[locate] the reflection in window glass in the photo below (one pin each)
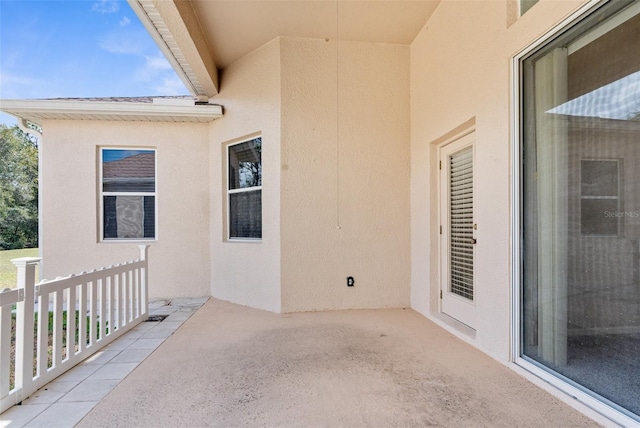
(128, 194)
(245, 164)
(581, 206)
(599, 197)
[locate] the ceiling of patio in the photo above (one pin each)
(234, 28)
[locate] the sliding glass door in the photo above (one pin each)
(580, 198)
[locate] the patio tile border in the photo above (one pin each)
(68, 399)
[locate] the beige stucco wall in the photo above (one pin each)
(286, 92)
(345, 175)
(248, 273)
(179, 259)
(460, 78)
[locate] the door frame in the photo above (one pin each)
(450, 304)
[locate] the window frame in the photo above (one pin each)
(574, 392)
(102, 194)
(230, 191)
(524, 8)
(601, 197)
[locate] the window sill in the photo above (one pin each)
(128, 241)
(245, 240)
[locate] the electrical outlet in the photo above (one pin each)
(350, 281)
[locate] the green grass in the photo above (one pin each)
(8, 271)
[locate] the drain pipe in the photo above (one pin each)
(36, 130)
(23, 124)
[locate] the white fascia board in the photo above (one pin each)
(26, 108)
(162, 45)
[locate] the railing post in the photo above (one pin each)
(144, 277)
(24, 326)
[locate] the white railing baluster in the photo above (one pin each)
(122, 299)
(56, 360)
(104, 317)
(107, 302)
(113, 323)
(93, 314)
(126, 276)
(137, 294)
(83, 299)
(42, 351)
(71, 322)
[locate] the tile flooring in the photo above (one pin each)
(66, 400)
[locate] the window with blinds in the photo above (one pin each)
(461, 217)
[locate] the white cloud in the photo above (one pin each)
(158, 63)
(153, 67)
(125, 21)
(105, 6)
(124, 41)
(11, 85)
(170, 86)
(159, 77)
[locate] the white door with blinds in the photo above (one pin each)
(457, 231)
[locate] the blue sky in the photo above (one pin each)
(78, 48)
(114, 155)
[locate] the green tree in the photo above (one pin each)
(18, 189)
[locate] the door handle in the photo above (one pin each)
(473, 241)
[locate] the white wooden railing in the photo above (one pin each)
(88, 311)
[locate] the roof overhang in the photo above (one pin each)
(175, 28)
(36, 111)
(198, 37)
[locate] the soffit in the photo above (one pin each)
(234, 28)
(113, 109)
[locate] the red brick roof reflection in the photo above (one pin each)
(142, 165)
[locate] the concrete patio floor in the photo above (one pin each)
(230, 365)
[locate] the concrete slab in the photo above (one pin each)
(62, 415)
(79, 373)
(193, 302)
(19, 416)
(158, 303)
(145, 344)
(233, 366)
(132, 356)
(50, 393)
(179, 316)
(90, 390)
(101, 357)
(120, 344)
(114, 371)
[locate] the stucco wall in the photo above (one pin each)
(460, 77)
(248, 273)
(345, 175)
(179, 259)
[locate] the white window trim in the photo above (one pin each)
(574, 391)
(230, 192)
(617, 198)
(101, 195)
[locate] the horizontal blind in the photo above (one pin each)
(461, 227)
